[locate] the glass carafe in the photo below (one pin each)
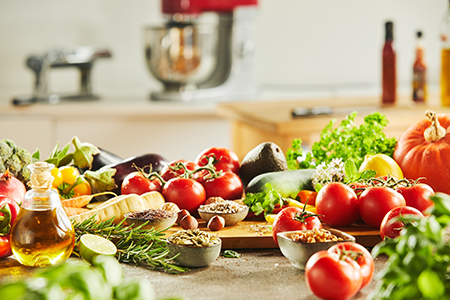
(42, 234)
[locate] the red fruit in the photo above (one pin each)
(138, 183)
(12, 187)
(390, 228)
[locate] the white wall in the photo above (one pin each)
(301, 43)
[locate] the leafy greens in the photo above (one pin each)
(347, 141)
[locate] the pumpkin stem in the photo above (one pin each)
(435, 132)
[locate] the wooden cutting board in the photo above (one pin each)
(257, 234)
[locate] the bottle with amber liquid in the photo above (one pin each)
(389, 76)
(42, 234)
(445, 59)
(419, 73)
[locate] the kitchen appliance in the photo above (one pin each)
(204, 51)
(81, 58)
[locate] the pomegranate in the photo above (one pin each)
(12, 187)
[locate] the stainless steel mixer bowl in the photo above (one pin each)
(181, 54)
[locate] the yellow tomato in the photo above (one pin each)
(57, 177)
(84, 188)
(69, 174)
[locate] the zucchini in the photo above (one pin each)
(286, 183)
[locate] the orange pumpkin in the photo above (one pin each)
(423, 151)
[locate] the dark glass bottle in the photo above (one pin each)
(419, 73)
(389, 79)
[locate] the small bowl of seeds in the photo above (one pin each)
(298, 246)
(232, 211)
(194, 248)
(159, 219)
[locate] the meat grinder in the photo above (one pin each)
(81, 58)
(204, 51)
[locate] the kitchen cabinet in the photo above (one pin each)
(255, 122)
(127, 127)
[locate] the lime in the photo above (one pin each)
(383, 165)
(93, 245)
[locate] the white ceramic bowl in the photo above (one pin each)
(298, 253)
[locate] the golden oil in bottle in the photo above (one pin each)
(42, 234)
(445, 77)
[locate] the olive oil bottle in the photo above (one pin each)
(42, 234)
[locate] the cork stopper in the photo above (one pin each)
(41, 177)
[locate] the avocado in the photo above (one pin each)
(264, 158)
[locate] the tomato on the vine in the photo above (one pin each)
(390, 228)
(175, 169)
(418, 196)
(358, 188)
(223, 159)
(138, 183)
(227, 185)
(337, 204)
(375, 202)
(186, 193)
(330, 276)
(359, 254)
(294, 218)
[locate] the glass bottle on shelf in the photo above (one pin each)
(42, 234)
(389, 80)
(445, 59)
(419, 72)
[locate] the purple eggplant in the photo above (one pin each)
(103, 158)
(155, 161)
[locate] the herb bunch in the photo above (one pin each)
(134, 245)
(419, 259)
(347, 141)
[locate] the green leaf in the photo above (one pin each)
(135, 290)
(430, 284)
(84, 153)
(102, 179)
(14, 291)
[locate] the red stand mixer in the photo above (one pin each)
(204, 51)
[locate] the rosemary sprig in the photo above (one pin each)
(134, 245)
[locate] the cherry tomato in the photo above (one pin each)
(307, 196)
(375, 202)
(337, 204)
(57, 177)
(227, 185)
(390, 228)
(138, 183)
(186, 193)
(359, 254)
(418, 196)
(224, 159)
(83, 188)
(294, 218)
(69, 174)
(330, 276)
(173, 169)
(5, 246)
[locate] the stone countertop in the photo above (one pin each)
(257, 274)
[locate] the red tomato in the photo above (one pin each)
(375, 202)
(307, 196)
(5, 246)
(337, 204)
(359, 254)
(224, 159)
(390, 228)
(173, 169)
(332, 277)
(227, 185)
(137, 183)
(358, 187)
(294, 218)
(186, 193)
(418, 196)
